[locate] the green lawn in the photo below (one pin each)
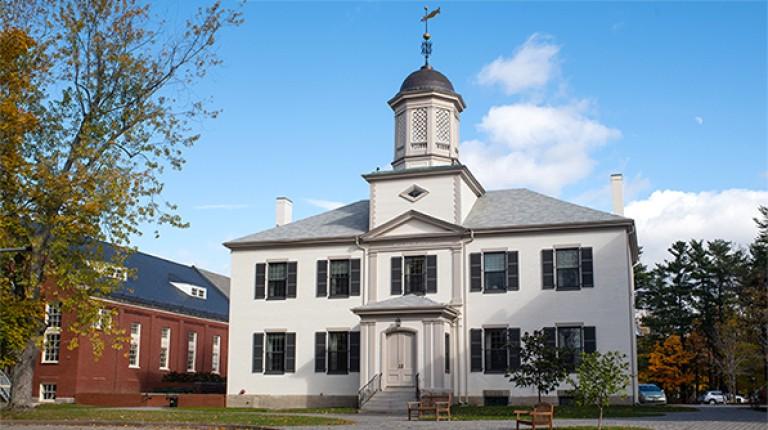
(79, 413)
(474, 413)
(604, 428)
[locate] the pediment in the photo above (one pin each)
(414, 224)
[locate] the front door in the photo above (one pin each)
(400, 360)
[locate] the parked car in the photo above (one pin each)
(739, 399)
(712, 397)
(651, 393)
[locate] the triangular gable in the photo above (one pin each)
(414, 224)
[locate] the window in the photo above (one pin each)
(567, 261)
(338, 352)
(278, 276)
(53, 315)
(569, 340)
(216, 354)
(165, 343)
(103, 320)
(414, 193)
(134, 348)
(496, 350)
(51, 345)
(47, 392)
(275, 352)
(339, 278)
(414, 275)
(495, 271)
(191, 351)
(447, 353)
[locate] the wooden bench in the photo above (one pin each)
(541, 416)
(437, 404)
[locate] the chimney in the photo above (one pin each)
(617, 193)
(283, 211)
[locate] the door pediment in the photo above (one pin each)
(413, 224)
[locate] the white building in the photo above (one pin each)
(421, 285)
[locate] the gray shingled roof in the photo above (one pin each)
(521, 207)
(501, 208)
(347, 221)
(219, 281)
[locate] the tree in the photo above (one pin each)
(95, 86)
(753, 297)
(668, 365)
(600, 376)
(734, 351)
(541, 365)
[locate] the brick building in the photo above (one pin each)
(176, 316)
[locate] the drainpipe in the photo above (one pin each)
(364, 378)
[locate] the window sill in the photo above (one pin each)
(49, 362)
(165, 369)
(339, 297)
(276, 298)
(568, 289)
(134, 367)
(274, 372)
(494, 291)
(338, 372)
(495, 372)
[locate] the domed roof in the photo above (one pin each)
(426, 79)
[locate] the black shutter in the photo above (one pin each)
(290, 352)
(513, 272)
(447, 353)
(396, 274)
(257, 365)
(513, 337)
(259, 282)
(322, 278)
(354, 277)
(587, 277)
(431, 273)
(290, 284)
(590, 339)
(476, 348)
(547, 269)
(320, 352)
(475, 272)
(354, 351)
(550, 337)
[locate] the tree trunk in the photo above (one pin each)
(21, 378)
(600, 420)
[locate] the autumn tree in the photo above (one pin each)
(668, 365)
(95, 107)
(734, 351)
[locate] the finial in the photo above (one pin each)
(426, 45)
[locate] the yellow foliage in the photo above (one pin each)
(668, 365)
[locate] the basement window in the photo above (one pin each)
(47, 392)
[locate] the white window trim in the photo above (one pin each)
(41, 393)
(192, 348)
(216, 354)
(165, 343)
(50, 331)
(137, 338)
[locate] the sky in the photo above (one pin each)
(559, 96)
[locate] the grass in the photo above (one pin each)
(80, 413)
(474, 413)
(604, 428)
(335, 410)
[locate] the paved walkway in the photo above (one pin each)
(706, 418)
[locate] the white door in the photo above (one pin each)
(400, 360)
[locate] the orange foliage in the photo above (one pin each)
(668, 365)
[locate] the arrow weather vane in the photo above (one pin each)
(426, 45)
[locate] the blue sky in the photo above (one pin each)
(559, 95)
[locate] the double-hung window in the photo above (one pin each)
(135, 346)
(338, 352)
(52, 336)
(567, 264)
(47, 392)
(216, 354)
(495, 271)
(165, 345)
(569, 341)
(339, 277)
(275, 353)
(496, 350)
(414, 275)
(191, 351)
(278, 277)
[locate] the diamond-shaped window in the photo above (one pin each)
(413, 193)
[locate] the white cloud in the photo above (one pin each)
(325, 204)
(224, 206)
(533, 65)
(699, 120)
(541, 147)
(667, 216)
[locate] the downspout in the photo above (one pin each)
(464, 273)
(364, 376)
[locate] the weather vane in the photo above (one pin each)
(426, 45)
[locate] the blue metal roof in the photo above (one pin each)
(151, 286)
